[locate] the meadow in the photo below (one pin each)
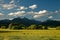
(29, 34)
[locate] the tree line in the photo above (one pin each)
(24, 23)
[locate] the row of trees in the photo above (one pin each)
(24, 23)
(22, 26)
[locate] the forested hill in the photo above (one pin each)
(28, 22)
(24, 21)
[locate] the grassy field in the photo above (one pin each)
(29, 34)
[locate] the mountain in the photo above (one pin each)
(5, 22)
(25, 21)
(52, 23)
(28, 22)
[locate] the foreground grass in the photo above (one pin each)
(29, 34)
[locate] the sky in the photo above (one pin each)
(32, 9)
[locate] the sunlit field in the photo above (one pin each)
(29, 34)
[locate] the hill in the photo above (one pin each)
(24, 22)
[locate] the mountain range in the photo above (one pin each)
(28, 22)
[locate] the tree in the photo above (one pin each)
(45, 27)
(3, 27)
(32, 27)
(39, 27)
(16, 26)
(13, 26)
(58, 28)
(10, 26)
(21, 26)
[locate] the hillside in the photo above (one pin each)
(24, 22)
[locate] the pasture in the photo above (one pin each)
(29, 34)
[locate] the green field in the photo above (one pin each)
(29, 34)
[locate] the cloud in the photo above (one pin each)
(8, 6)
(19, 13)
(23, 8)
(33, 6)
(12, 1)
(50, 17)
(57, 19)
(11, 18)
(40, 13)
(1, 14)
(43, 11)
(36, 16)
(10, 14)
(11, 5)
(57, 11)
(31, 12)
(1, 2)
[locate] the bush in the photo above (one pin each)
(32, 27)
(58, 28)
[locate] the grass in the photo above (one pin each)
(29, 34)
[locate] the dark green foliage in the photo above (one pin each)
(32, 27)
(39, 27)
(51, 23)
(46, 27)
(16, 26)
(24, 23)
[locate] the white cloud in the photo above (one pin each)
(32, 14)
(50, 17)
(11, 14)
(36, 16)
(23, 8)
(40, 13)
(43, 11)
(33, 6)
(12, 1)
(56, 11)
(1, 14)
(11, 18)
(8, 6)
(19, 13)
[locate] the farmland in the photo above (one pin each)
(29, 34)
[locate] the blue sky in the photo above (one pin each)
(31, 9)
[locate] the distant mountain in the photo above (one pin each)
(5, 22)
(28, 22)
(25, 21)
(52, 23)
